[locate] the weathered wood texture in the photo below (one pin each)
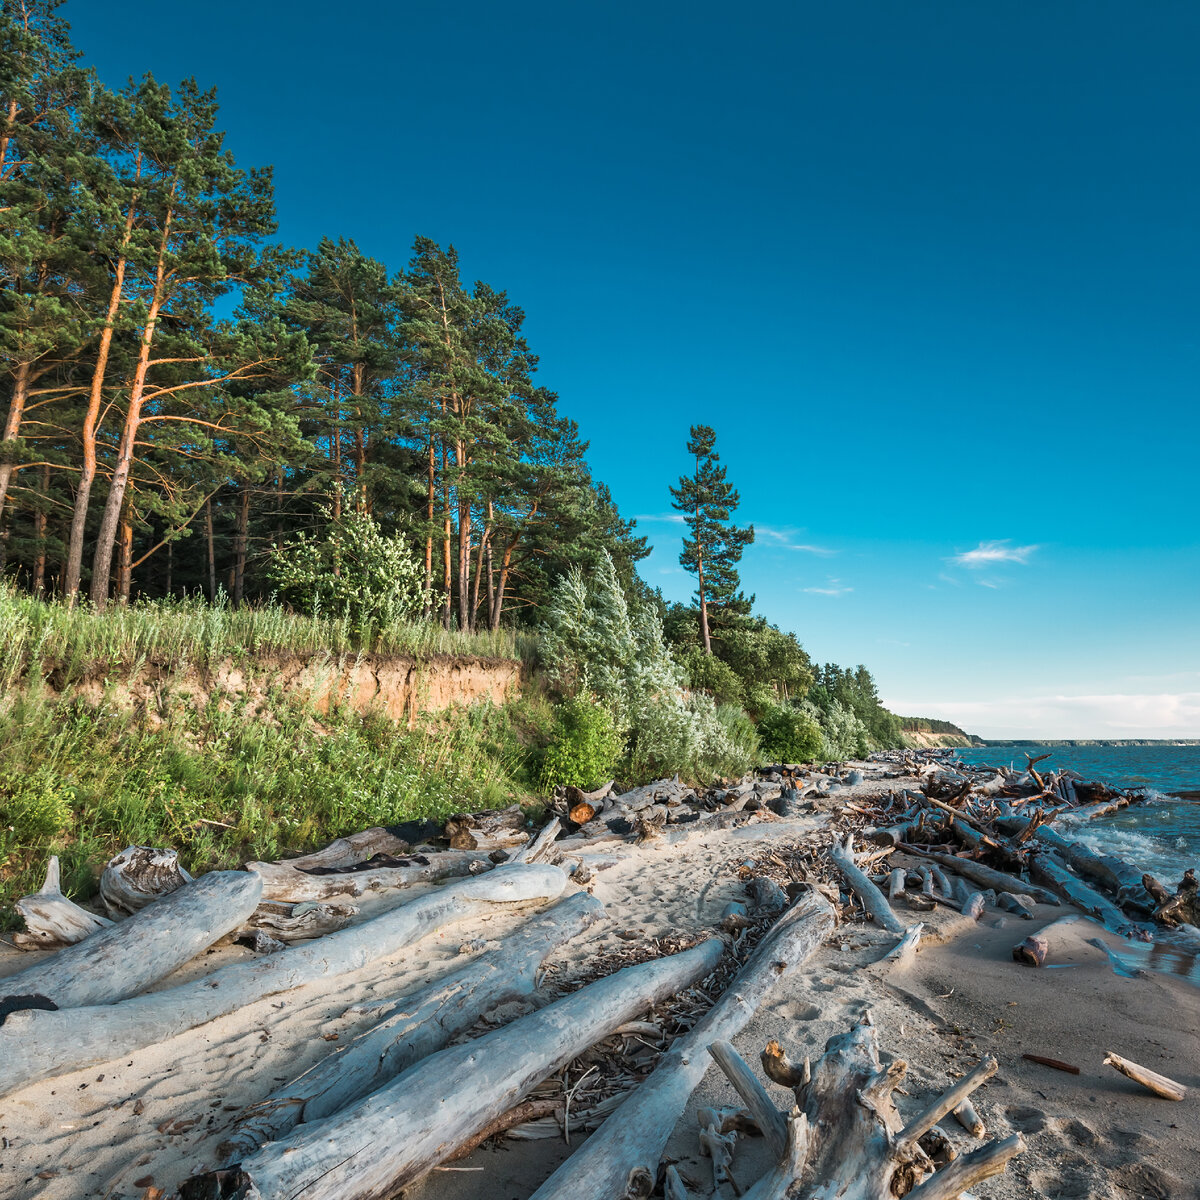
(36, 1044)
(122, 960)
(51, 920)
(841, 854)
(413, 1027)
(372, 1149)
(987, 877)
(138, 876)
(285, 882)
(1160, 1085)
(621, 1158)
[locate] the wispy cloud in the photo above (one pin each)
(835, 588)
(989, 554)
(788, 539)
(661, 518)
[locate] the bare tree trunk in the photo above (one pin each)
(427, 609)
(124, 556)
(446, 542)
(212, 553)
(12, 426)
(91, 417)
(483, 540)
(39, 535)
(243, 528)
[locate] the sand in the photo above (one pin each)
(150, 1119)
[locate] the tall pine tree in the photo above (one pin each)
(714, 545)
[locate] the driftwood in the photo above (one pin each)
(295, 922)
(986, 877)
(397, 1134)
(51, 920)
(495, 829)
(1049, 868)
(904, 952)
(285, 882)
(584, 806)
(621, 1158)
(1032, 951)
(540, 848)
(138, 876)
(845, 1134)
(124, 959)
(413, 1027)
(351, 850)
(1160, 1085)
(873, 900)
(36, 1044)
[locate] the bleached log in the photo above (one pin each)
(896, 880)
(540, 848)
(1032, 951)
(673, 1188)
(904, 953)
(353, 849)
(841, 854)
(138, 876)
(1160, 1085)
(295, 922)
(943, 884)
(36, 1044)
(855, 1143)
(767, 895)
(770, 1121)
(375, 1147)
(51, 920)
(495, 829)
(973, 906)
(621, 1158)
(969, 1119)
(124, 959)
(412, 1027)
(1049, 868)
(285, 883)
(987, 877)
(718, 1147)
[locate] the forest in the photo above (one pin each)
(213, 438)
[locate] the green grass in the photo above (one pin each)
(37, 637)
(83, 781)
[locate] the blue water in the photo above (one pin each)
(1161, 836)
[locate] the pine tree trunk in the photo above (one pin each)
(212, 552)
(102, 561)
(124, 556)
(39, 536)
(170, 568)
(427, 609)
(243, 527)
(91, 418)
(483, 540)
(491, 579)
(12, 426)
(446, 543)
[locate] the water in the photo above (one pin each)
(1161, 836)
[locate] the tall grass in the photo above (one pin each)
(222, 785)
(37, 636)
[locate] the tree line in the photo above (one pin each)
(152, 446)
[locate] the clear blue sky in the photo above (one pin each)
(930, 269)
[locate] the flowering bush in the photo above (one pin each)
(355, 571)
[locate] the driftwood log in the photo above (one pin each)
(1050, 869)
(413, 1027)
(846, 1137)
(1160, 1085)
(841, 854)
(621, 1158)
(397, 1134)
(353, 849)
(138, 876)
(295, 922)
(36, 1044)
(124, 959)
(986, 877)
(51, 920)
(287, 883)
(495, 829)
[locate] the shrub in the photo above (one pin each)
(35, 806)
(355, 571)
(584, 747)
(845, 734)
(790, 734)
(708, 673)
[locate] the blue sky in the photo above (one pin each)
(931, 270)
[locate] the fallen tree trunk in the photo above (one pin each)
(36, 1044)
(494, 829)
(621, 1158)
(374, 1148)
(295, 922)
(413, 1027)
(353, 849)
(138, 876)
(846, 1136)
(841, 854)
(51, 920)
(122, 960)
(986, 877)
(1049, 868)
(289, 884)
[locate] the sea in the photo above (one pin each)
(1161, 836)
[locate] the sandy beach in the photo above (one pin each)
(138, 1126)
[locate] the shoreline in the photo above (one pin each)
(126, 1128)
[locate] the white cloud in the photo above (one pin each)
(662, 518)
(1103, 715)
(988, 554)
(786, 539)
(835, 588)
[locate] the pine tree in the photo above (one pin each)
(714, 546)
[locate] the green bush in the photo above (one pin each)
(584, 746)
(34, 806)
(707, 673)
(355, 572)
(789, 734)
